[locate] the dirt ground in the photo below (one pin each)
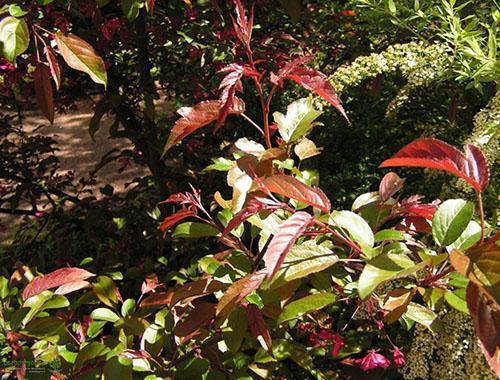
(78, 152)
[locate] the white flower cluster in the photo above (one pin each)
(420, 63)
(454, 354)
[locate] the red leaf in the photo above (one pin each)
(43, 91)
(177, 217)
(436, 154)
(55, 71)
(486, 318)
(194, 118)
(284, 240)
(150, 5)
(292, 188)
(258, 326)
(242, 25)
(254, 206)
(310, 79)
(228, 87)
(237, 293)
(52, 280)
(390, 185)
(414, 207)
(12, 339)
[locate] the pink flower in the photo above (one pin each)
(373, 360)
(398, 357)
(338, 342)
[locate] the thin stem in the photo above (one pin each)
(339, 236)
(481, 215)
(253, 124)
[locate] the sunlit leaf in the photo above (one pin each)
(80, 56)
(283, 241)
(436, 154)
(298, 308)
(299, 119)
(14, 37)
(450, 220)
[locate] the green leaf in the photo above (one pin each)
(355, 225)
(16, 11)
(469, 237)
(81, 56)
(4, 287)
(389, 235)
(193, 368)
(128, 307)
(153, 339)
(14, 37)
(118, 368)
(131, 8)
(103, 314)
(194, 230)
(298, 121)
(454, 300)
(89, 352)
(237, 323)
(288, 349)
(47, 327)
(392, 6)
(424, 316)
(303, 260)
(450, 220)
(105, 289)
(383, 267)
(298, 308)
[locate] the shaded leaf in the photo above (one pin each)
(43, 91)
(80, 56)
(237, 322)
(390, 185)
(196, 288)
(291, 187)
(486, 319)
(436, 154)
(202, 313)
(238, 291)
(55, 70)
(284, 240)
(258, 327)
(298, 308)
(54, 279)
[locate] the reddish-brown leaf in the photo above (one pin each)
(237, 293)
(390, 185)
(292, 188)
(157, 299)
(43, 91)
(194, 118)
(310, 79)
(413, 207)
(486, 318)
(55, 71)
(150, 5)
(55, 279)
(177, 217)
(197, 288)
(13, 339)
(258, 326)
(482, 265)
(436, 154)
(243, 25)
(150, 284)
(202, 313)
(283, 241)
